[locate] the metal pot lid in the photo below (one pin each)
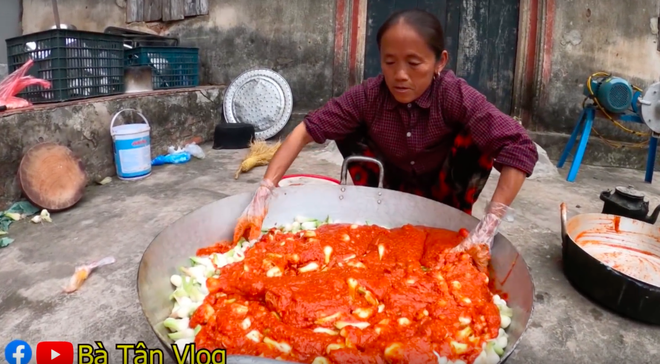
(259, 97)
(629, 191)
(649, 107)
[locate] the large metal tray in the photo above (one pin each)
(216, 221)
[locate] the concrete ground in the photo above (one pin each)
(121, 218)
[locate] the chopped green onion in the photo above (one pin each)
(187, 333)
(309, 225)
(175, 325)
(302, 219)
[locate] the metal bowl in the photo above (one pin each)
(214, 222)
(615, 261)
(65, 26)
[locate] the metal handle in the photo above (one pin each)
(112, 122)
(563, 212)
(357, 158)
(643, 102)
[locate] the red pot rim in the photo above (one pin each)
(316, 176)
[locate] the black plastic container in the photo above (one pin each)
(79, 64)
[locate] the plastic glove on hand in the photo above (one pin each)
(480, 240)
(249, 224)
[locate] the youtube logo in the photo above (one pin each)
(54, 352)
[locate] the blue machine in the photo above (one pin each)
(615, 94)
(618, 100)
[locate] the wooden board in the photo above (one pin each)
(52, 177)
(134, 11)
(196, 7)
(152, 10)
(165, 10)
(173, 10)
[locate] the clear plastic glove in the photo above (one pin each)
(249, 224)
(195, 150)
(82, 272)
(480, 240)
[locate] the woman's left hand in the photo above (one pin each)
(480, 240)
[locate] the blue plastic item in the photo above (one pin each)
(614, 94)
(174, 158)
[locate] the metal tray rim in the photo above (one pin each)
(249, 75)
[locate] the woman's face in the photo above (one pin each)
(408, 63)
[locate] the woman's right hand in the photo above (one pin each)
(249, 224)
(480, 240)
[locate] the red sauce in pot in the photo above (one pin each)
(375, 296)
(220, 247)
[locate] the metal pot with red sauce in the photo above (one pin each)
(352, 294)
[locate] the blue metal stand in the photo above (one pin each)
(583, 127)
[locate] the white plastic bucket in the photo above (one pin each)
(131, 144)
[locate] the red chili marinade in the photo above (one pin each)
(220, 247)
(412, 297)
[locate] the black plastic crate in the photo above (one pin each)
(79, 64)
(172, 67)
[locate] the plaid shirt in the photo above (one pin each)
(418, 136)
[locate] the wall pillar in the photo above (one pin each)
(350, 38)
(534, 56)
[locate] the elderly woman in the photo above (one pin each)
(436, 136)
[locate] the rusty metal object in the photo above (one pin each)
(216, 221)
(52, 177)
(615, 261)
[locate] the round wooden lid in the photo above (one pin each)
(52, 177)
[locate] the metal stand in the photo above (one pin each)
(583, 127)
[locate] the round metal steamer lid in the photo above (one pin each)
(262, 98)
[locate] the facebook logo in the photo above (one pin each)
(18, 352)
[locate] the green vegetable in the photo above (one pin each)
(175, 325)
(176, 280)
(505, 310)
(491, 354)
(182, 334)
(193, 291)
(309, 225)
(204, 262)
(13, 215)
(302, 219)
(182, 291)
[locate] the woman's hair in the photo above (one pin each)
(425, 24)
